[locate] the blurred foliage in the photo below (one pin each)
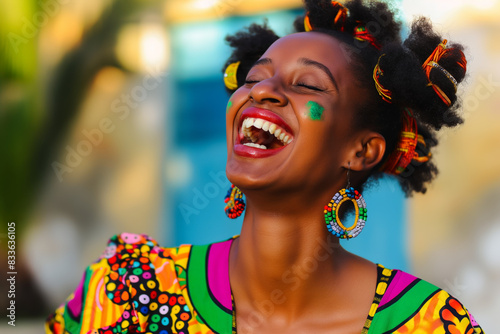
(37, 113)
(34, 126)
(20, 109)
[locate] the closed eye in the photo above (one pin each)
(300, 84)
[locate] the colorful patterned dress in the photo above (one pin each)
(138, 287)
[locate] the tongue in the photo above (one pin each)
(267, 139)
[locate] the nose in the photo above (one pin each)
(268, 91)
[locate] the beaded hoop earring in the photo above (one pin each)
(235, 204)
(332, 219)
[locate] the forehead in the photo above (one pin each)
(314, 45)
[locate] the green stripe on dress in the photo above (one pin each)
(70, 324)
(213, 316)
(397, 314)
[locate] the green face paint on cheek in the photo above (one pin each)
(315, 110)
(229, 105)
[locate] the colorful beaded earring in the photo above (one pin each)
(332, 219)
(235, 204)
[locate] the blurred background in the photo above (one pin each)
(112, 120)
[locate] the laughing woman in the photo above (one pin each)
(312, 117)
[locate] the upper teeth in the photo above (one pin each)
(270, 127)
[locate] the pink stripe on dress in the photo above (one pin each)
(400, 282)
(218, 273)
(75, 304)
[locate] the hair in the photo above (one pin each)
(403, 75)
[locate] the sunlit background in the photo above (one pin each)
(112, 119)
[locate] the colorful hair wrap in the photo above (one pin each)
(230, 79)
(338, 22)
(361, 33)
(383, 92)
(341, 16)
(433, 62)
(307, 23)
(448, 74)
(405, 152)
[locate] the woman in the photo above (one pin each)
(313, 115)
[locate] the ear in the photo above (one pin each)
(367, 152)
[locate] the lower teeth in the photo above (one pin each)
(256, 145)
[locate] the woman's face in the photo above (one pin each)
(289, 127)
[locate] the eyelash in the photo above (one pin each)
(300, 84)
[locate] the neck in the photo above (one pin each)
(281, 256)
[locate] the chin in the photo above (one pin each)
(250, 174)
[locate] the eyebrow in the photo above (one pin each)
(310, 62)
(263, 61)
(304, 61)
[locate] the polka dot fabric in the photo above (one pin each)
(133, 281)
(126, 294)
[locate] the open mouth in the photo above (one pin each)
(263, 134)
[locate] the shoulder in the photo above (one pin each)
(139, 252)
(129, 265)
(407, 303)
(127, 247)
(135, 277)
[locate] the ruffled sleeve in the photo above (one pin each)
(108, 298)
(457, 319)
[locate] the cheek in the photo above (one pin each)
(235, 103)
(314, 111)
(230, 109)
(236, 100)
(229, 105)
